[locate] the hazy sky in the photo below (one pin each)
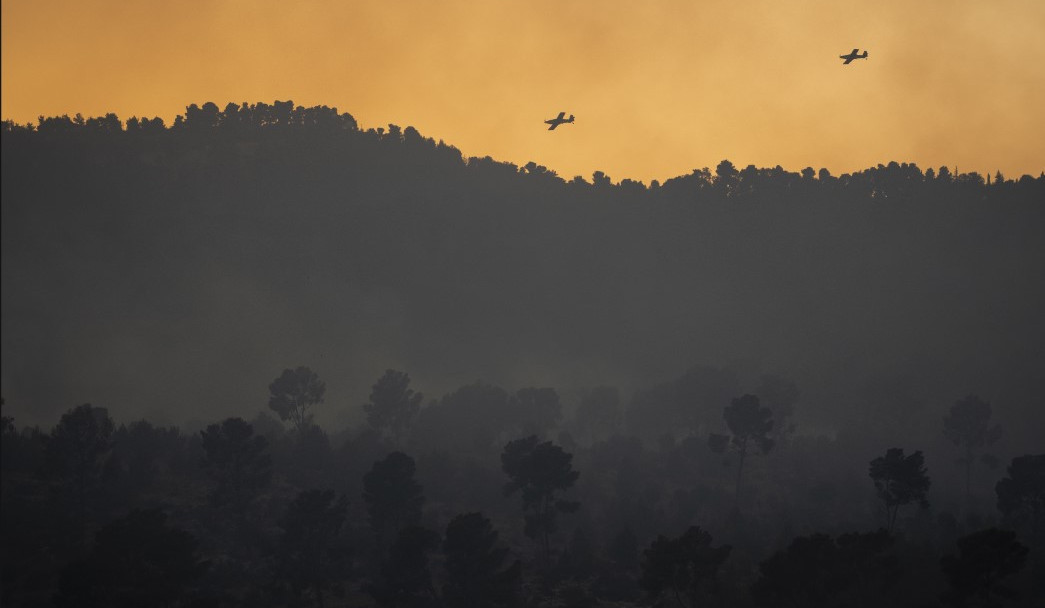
(659, 87)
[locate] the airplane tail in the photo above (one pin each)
(571, 117)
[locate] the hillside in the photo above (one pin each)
(172, 272)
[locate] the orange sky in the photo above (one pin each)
(659, 87)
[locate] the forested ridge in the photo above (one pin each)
(729, 388)
(265, 228)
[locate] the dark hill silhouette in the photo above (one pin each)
(176, 269)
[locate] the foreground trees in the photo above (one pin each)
(899, 481)
(138, 561)
(476, 575)
(539, 471)
(1021, 497)
(76, 453)
(312, 554)
(818, 571)
(405, 579)
(293, 549)
(984, 559)
(683, 570)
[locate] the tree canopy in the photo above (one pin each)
(237, 461)
(312, 552)
(540, 471)
(137, 561)
(393, 404)
(967, 425)
(683, 569)
(476, 571)
(294, 393)
(900, 480)
(393, 497)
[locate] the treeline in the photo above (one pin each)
(238, 120)
(493, 513)
(234, 117)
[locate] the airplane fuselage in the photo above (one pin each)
(852, 56)
(558, 120)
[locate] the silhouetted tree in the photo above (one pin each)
(684, 569)
(109, 123)
(727, 178)
(967, 425)
(540, 471)
(76, 452)
(749, 423)
(393, 497)
(984, 559)
(476, 576)
(899, 481)
(1021, 495)
(312, 553)
(205, 117)
(238, 463)
(393, 405)
(406, 576)
(138, 561)
(294, 393)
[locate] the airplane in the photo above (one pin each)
(851, 56)
(558, 120)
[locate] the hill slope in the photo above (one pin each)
(173, 272)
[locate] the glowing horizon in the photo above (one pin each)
(658, 88)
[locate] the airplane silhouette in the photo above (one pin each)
(851, 56)
(558, 120)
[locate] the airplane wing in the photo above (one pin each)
(847, 61)
(561, 114)
(552, 128)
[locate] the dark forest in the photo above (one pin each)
(264, 357)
